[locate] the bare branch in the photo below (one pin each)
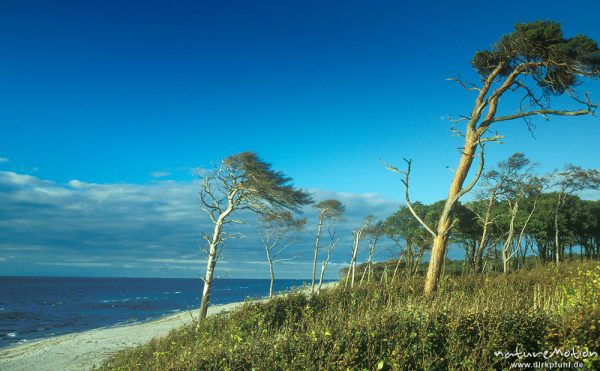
(468, 86)
(495, 138)
(405, 181)
(544, 112)
(468, 188)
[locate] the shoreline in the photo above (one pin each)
(87, 349)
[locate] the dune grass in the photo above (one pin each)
(392, 326)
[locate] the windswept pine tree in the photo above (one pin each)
(241, 182)
(534, 63)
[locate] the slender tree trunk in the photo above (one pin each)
(210, 268)
(507, 251)
(319, 226)
(212, 260)
(440, 242)
(367, 270)
(484, 234)
(271, 273)
(353, 261)
(362, 276)
(323, 266)
(397, 266)
(556, 231)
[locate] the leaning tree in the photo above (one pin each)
(328, 210)
(535, 62)
(277, 230)
(240, 182)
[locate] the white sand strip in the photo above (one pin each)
(84, 350)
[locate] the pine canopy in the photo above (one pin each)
(540, 48)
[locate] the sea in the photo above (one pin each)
(40, 307)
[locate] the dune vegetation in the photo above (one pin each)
(391, 325)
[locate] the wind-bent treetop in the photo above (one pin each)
(541, 49)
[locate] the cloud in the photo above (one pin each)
(4, 160)
(159, 174)
(122, 229)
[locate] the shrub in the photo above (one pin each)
(379, 326)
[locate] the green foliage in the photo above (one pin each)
(559, 60)
(261, 184)
(378, 326)
(330, 209)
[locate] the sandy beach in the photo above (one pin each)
(84, 350)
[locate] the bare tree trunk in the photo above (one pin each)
(370, 263)
(484, 234)
(556, 231)
(368, 268)
(212, 260)
(320, 225)
(272, 274)
(353, 261)
(508, 253)
(323, 266)
(362, 276)
(330, 248)
(397, 266)
(210, 268)
(440, 242)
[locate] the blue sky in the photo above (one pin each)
(127, 97)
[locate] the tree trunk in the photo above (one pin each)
(367, 270)
(272, 275)
(507, 249)
(212, 259)
(323, 266)
(410, 259)
(320, 225)
(440, 242)
(484, 234)
(353, 261)
(210, 269)
(397, 266)
(556, 231)
(326, 262)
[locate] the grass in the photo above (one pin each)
(392, 326)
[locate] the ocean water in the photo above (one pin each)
(40, 307)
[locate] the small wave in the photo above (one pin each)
(177, 292)
(115, 300)
(11, 334)
(128, 321)
(1, 309)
